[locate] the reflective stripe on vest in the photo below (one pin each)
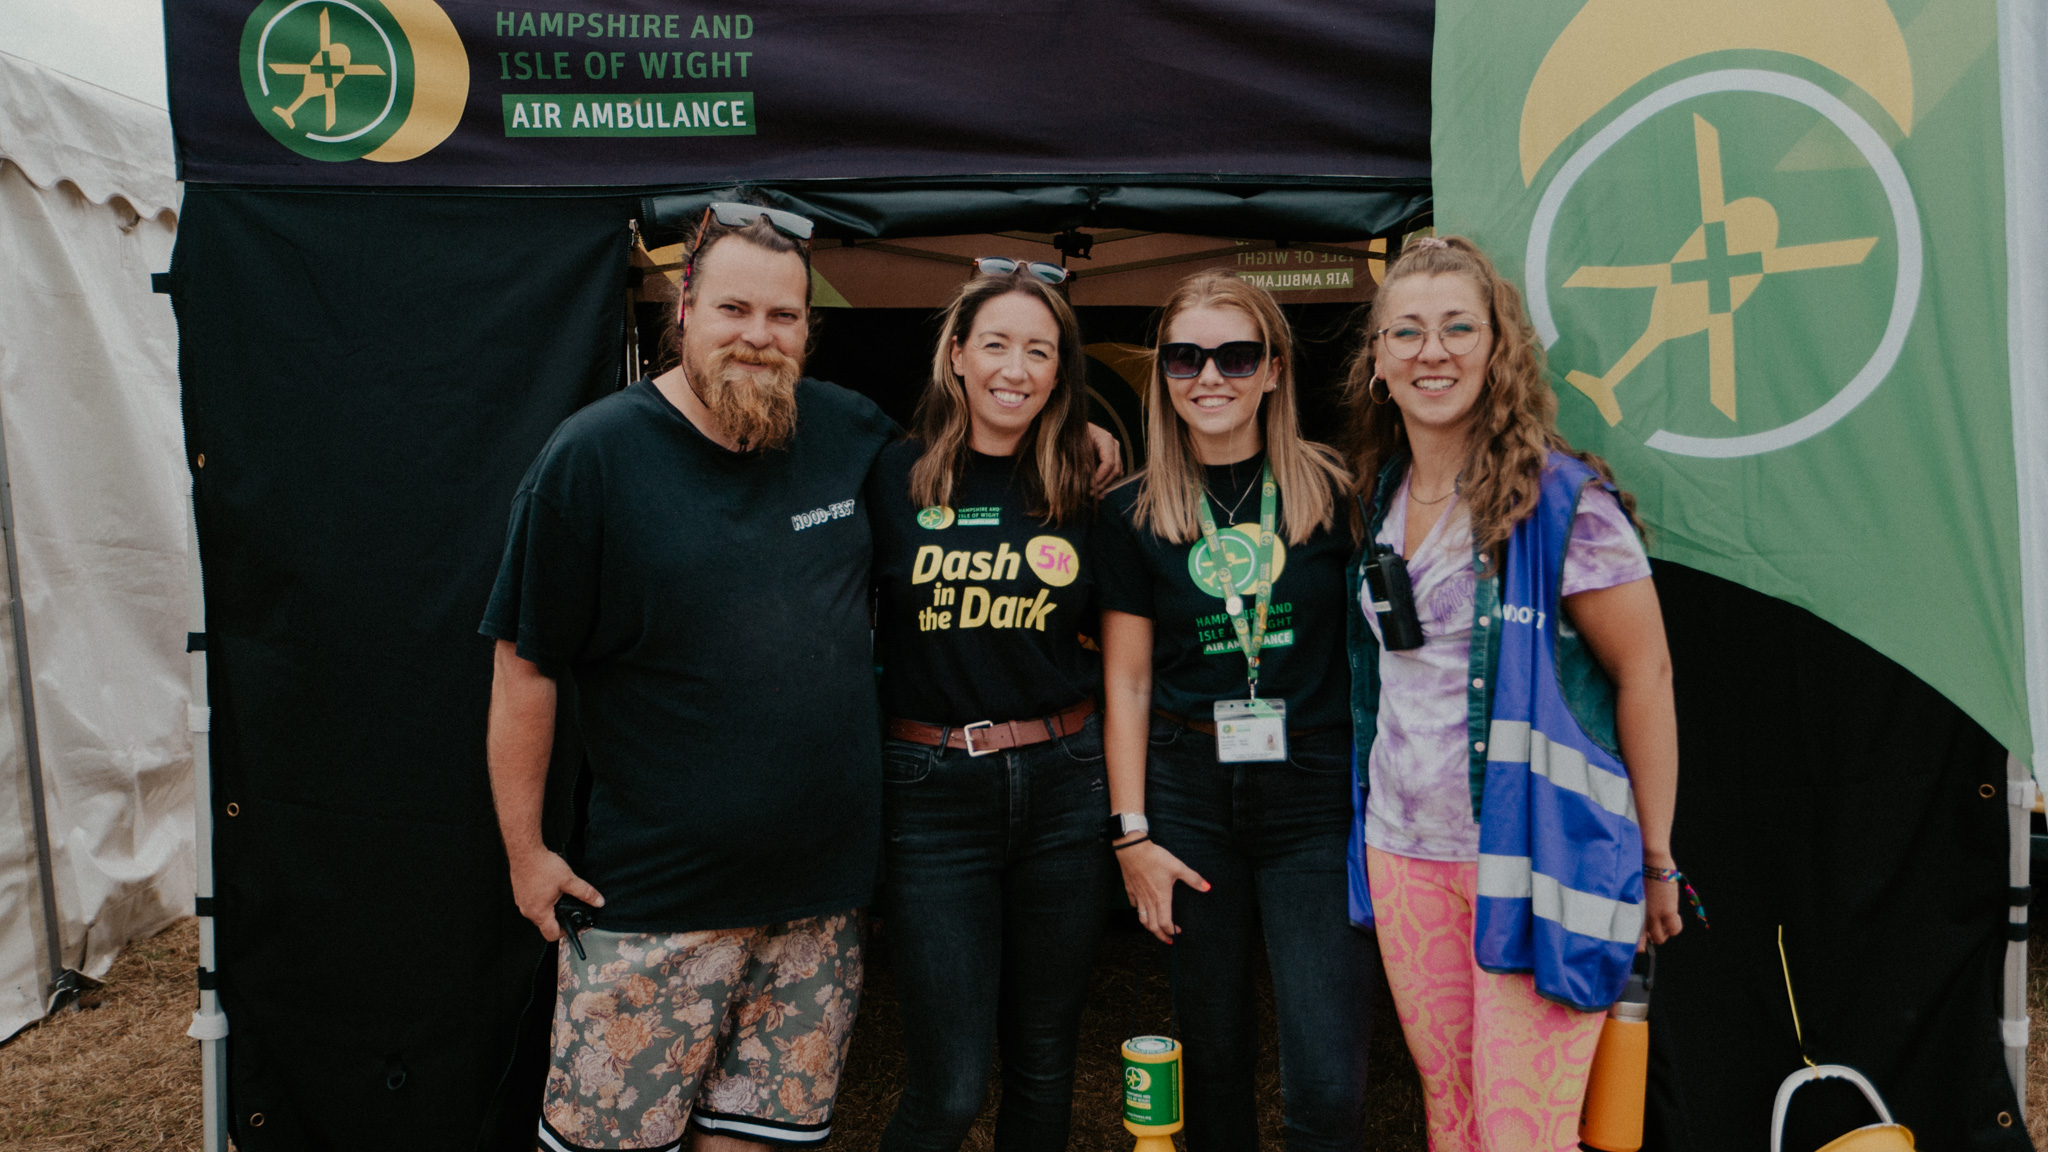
(1561, 856)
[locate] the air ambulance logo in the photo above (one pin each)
(1236, 570)
(1726, 257)
(354, 79)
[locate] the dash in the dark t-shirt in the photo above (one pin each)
(980, 603)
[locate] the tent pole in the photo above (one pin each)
(64, 985)
(209, 1023)
(2019, 786)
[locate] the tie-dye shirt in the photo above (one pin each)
(1420, 802)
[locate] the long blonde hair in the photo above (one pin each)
(1309, 475)
(1513, 423)
(1056, 461)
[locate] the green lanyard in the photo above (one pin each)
(1251, 636)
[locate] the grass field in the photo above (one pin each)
(120, 1074)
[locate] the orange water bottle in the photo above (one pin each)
(1612, 1118)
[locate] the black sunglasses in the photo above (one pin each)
(1004, 265)
(740, 215)
(1236, 358)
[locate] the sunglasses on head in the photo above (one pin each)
(732, 215)
(740, 215)
(1235, 359)
(1004, 265)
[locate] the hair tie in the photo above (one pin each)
(1429, 242)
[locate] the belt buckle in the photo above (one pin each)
(967, 734)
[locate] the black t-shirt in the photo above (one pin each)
(1196, 659)
(711, 608)
(981, 605)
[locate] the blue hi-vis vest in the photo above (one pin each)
(1560, 852)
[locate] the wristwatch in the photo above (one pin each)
(1125, 823)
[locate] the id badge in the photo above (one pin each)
(1251, 730)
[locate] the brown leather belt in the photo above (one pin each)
(985, 736)
(1209, 726)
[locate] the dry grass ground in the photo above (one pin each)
(117, 1072)
(120, 1074)
(2037, 1040)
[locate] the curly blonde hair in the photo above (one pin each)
(1513, 426)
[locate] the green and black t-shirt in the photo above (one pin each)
(711, 609)
(981, 605)
(1196, 659)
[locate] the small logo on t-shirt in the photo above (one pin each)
(935, 517)
(1053, 559)
(1238, 569)
(817, 516)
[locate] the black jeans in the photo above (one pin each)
(995, 874)
(1269, 838)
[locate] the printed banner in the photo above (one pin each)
(636, 92)
(1764, 245)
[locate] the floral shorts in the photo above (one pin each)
(741, 1031)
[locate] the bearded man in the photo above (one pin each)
(691, 555)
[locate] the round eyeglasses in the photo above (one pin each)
(1406, 341)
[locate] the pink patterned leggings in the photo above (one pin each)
(1503, 1070)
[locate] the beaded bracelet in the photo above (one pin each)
(1674, 876)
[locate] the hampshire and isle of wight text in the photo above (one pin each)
(625, 25)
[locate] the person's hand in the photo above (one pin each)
(1149, 875)
(541, 878)
(1661, 920)
(1109, 458)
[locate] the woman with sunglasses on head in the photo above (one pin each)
(1515, 724)
(1228, 726)
(995, 870)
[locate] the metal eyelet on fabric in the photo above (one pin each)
(255, 1119)
(1987, 791)
(2005, 1119)
(201, 461)
(234, 809)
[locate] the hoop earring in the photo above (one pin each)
(1375, 399)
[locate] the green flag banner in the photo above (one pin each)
(1765, 244)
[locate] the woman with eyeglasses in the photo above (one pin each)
(995, 870)
(1512, 695)
(1228, 724)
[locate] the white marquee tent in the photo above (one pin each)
(98, 549)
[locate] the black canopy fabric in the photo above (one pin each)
(365, 379)
(851, 88)
(1824, 788)
(1313, 209)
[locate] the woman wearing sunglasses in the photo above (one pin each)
(995, 871)
(1228, 726)
(1515, 724)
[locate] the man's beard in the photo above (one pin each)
(756, 408)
